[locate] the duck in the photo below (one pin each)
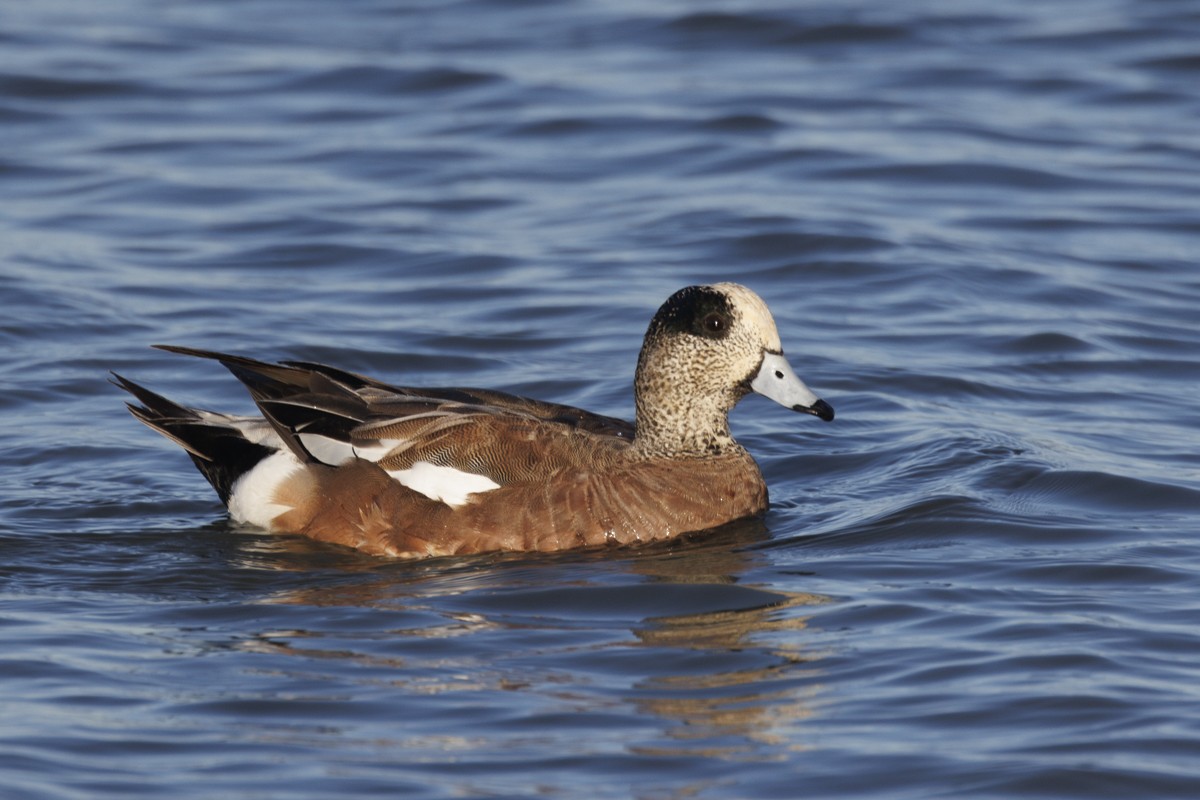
(410, 473)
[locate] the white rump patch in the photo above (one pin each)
(251, 500)
(444, 484)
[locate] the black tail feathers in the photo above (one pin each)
(219, 450)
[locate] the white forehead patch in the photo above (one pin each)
(754, 312)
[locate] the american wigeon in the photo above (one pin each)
(410, 473)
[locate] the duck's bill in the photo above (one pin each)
(776, 380)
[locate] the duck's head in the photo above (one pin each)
(705, 349)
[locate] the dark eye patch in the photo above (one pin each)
(698, 310)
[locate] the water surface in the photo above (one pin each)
(976, 225)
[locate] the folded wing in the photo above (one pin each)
(466, 439)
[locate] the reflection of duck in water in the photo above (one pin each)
(743, 677)
(424, 472)
(709, 665)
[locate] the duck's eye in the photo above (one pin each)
(714, 323)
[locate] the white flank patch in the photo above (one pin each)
(250, 501)
(444, 484)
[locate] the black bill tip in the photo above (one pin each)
(819, 409)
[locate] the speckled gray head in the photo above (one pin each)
(705, 349)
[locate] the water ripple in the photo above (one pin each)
(976, 230)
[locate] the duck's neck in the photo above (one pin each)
(675, 425)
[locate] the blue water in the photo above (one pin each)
(976, 223)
